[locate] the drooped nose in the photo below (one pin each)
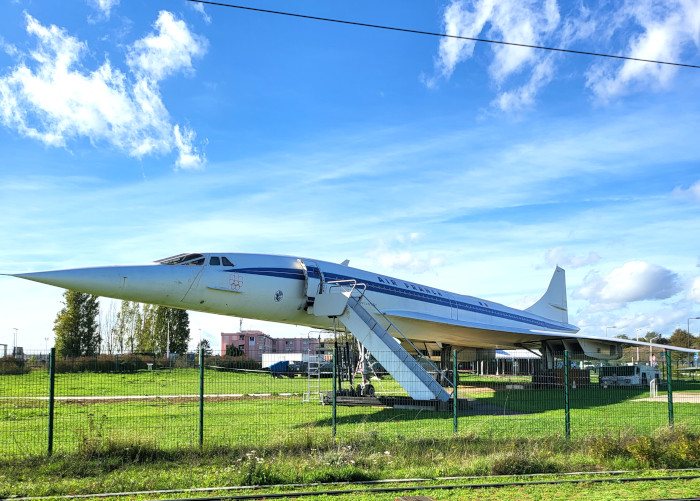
(157, 284)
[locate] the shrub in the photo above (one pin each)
(102, 363)
(219, 362)
(607, 447)
(11, 365)
(645, 450)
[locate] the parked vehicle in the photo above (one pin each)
(628, 375)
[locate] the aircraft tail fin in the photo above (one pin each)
(552, 305)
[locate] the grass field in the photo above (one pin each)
(161, 409)
(117, 467)
(140, 431)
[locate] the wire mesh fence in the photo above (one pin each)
(178, 404)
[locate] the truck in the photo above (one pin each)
(628, 375)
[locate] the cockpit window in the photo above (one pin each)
(214, 261)
(226, 262)
(184, 259)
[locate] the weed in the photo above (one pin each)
(607, 447)
(644, 450)
(522, 463)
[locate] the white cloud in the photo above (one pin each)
(525, 22)
(660, 320)
(200, 8)
(694, 292)
(189, 157)
(559, 256)
(634, 281)
(50, 98)
(524, 96)
(644, 29)
(104, 6)
(661, 30)
(692, 193)
(398, 255)
(170, 50)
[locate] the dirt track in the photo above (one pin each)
(678, 398)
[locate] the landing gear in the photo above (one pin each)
(360, 366)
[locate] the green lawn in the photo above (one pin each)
(249, 408)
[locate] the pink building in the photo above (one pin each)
(255, 343)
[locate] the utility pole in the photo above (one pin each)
(167, 343)
(688, 331)
(651, 362)
(636, 332)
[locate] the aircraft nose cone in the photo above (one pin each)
(156, 284)
(92, 280)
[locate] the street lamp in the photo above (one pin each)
(14, 349)
(688, 331)
(651, 364)
(611, 327)
(636, 333)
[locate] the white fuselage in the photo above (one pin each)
(276, 288)
(285, 289)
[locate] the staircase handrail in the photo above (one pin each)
(391, 324)
(342, 285)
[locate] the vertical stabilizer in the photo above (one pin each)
(553, 304)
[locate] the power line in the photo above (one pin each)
(444, 35)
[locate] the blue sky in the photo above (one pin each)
(131, 131)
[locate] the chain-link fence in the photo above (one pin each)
(49, 405)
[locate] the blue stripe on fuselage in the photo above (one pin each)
(397, 291)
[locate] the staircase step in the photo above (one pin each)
(394, 358)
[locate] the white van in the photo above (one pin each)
(628, 375)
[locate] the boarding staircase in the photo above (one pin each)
(314, 365)
(313, 373)
(346, 301)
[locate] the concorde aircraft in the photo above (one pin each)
(378, 309)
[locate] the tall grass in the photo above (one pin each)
(113, 465)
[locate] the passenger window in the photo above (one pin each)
(226, 262)
(214, 261)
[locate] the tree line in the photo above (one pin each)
(81, 329)
(680, 337)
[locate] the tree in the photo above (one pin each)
(204, 344)
(76, 326)
(682, 339)
(146, 341)
(232, 351)
(172, 324)
(108, 321)
(125, 328)
(651, 335)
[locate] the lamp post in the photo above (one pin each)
(636, 333)
(611, 327)
(651, 364)
(14, 348)
(688, 331)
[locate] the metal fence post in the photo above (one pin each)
(335, 376)
(52, 378)
(201, 396)
(455, 385)
(670, 388)
(567, 409)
